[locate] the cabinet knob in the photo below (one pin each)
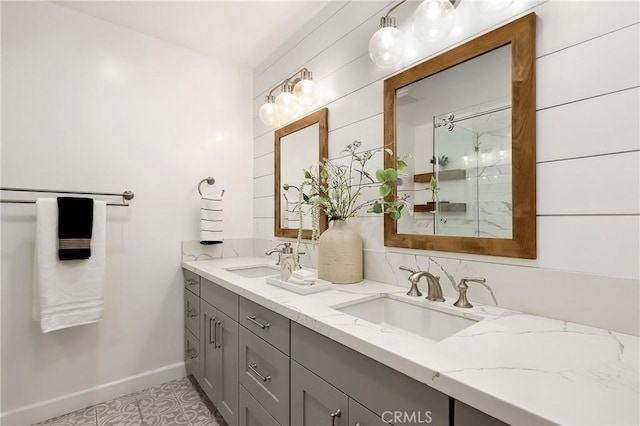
(335, 415)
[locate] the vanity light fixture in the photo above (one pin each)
(432, 22)
(297, 91)
(386, 46)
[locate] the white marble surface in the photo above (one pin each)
(520, 368)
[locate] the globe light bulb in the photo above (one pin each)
(386, 46)
(433, 20)
(306, 90)
(268, 112)
(286, 103)
(492, 6)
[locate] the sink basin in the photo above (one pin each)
(255, 271)
(414, 318)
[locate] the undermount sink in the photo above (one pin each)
(255, 271)
(414, 318)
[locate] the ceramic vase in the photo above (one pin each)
(340, 254)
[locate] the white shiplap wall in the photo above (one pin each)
(588, 102)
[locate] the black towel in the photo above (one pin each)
(75, 226)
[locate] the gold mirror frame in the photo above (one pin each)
(521, 34)
(319, 117)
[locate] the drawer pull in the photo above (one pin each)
(217, 343)
(191, 281)
(253, 367)
(335, 414)
(212, 326)
(189, 350)
(252, 318)
(192, 353)
(191, 312)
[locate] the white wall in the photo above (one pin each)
(88, 105)
(588, 150)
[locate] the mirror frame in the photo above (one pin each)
(521, 33)
(321, 117)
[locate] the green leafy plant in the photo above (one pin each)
(442, 161)
(433, 187)
(337, 189)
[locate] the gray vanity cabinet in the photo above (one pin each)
(315, 402)
(377, 387)
(260, 369)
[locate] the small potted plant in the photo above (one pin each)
(441, 161)
(336, 190)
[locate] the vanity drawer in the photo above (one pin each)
(272, 327)
(374, 385)
(219, 297)
(264, 372)
(191, 281)
(192, 312)
(252, 413)
(192, 354)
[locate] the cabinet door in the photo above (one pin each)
(315, 402)
(209, 353)
(252, 413)
(227, 385)
(360, 416)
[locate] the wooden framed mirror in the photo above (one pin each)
(468, 118)
(298, 145)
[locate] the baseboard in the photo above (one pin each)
(34, 413)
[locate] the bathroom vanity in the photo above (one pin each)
(267, 356)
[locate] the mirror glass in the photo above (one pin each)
(467, 116)
(298, 145)
(459, 131)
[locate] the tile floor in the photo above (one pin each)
(180, 402)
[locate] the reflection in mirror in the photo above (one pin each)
(459, 130)
(298, 145)
(298, 151)
(468, 117)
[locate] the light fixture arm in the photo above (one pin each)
(287, 80)
(402, 2)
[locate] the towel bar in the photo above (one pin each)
(126, 195)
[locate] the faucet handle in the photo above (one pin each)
(466, 280)
(462, 301)
(406, 268)
(413, 291)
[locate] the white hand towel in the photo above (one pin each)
(67, 293)
(211, 224)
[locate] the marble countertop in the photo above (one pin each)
(522, 369)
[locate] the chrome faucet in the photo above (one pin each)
(434, 291)
(276, 250)
(286, 249)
